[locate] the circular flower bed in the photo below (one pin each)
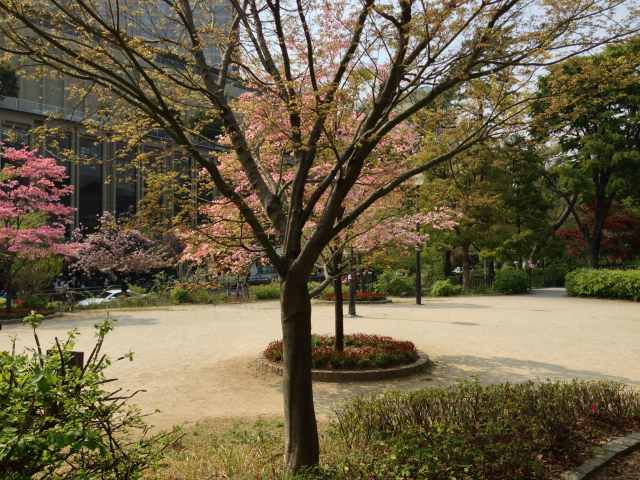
(361, 351)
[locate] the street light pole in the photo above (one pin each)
(352, 285)
(418, 272)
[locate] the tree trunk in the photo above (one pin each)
(594, 254)
(489, 270)
(446, 264)
(301, 431)
(339, 301)
(466, 267)
(601, 210)
(9, 299)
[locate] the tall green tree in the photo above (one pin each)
(590, 106)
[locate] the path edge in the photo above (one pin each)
(603, 455)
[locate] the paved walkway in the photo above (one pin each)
(199, 361)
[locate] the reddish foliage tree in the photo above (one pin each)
(620, 235)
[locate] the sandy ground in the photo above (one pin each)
(199, 361)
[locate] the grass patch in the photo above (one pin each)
(225, 449)
(467, 432)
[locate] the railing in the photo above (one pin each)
(29, 106)
(619, 266)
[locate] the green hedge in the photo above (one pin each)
(270, 291)
(511, 281)
(622, 284)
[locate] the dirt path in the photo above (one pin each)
(199, 361)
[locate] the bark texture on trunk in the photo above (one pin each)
(447, 269)
(301, 431)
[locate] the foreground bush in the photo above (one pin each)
(270, 291)
(467, 432)
(360, 351)
(445, 288)
(58, 421)
(511, 281)
(622, 284)
(479, 432)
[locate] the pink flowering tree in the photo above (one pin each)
(335, 79)
(33, 216)
(387, 224)
(117, 252)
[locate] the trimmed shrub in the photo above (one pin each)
(270, 291)
(179, 295)
(445, 288)
(470, 431)
(361, 351)
(621, 284)
(511, 281)
(396, 284)
(60, 421)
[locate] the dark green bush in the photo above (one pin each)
(270, 291)
(622, 284)
(35, 302)
(58, 420)
(496, 432)
(396, 284)
(179, 295)
(511, 281)
(445, 288)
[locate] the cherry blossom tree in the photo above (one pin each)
(33, 216)
(377, 229)
(158, 65)
(118, 252)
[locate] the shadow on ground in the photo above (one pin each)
(122, 320)
(449, 370)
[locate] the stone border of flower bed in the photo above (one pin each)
(342, 376)
(603, 455)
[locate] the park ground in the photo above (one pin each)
(199, 362)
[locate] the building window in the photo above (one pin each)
(90, 183)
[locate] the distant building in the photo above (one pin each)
(103, 181)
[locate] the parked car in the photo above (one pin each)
(106, 297)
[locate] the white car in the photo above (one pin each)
(107, 296)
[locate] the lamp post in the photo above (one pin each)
(418, 181)
(418, 271)
(352, 285)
